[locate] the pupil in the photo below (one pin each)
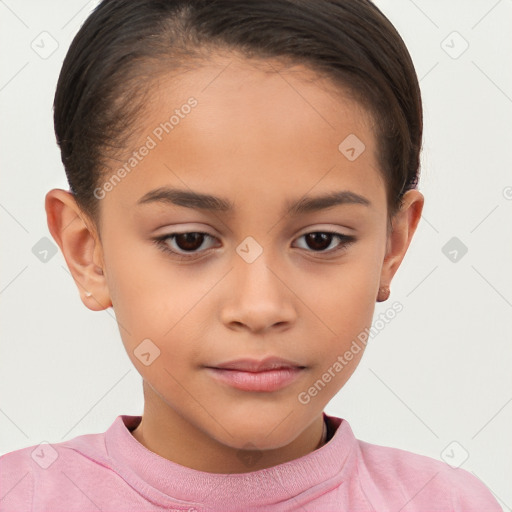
(188, 241)
(322, 238)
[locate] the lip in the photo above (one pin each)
(266, 375)
(255, 365)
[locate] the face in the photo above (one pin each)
(264, 271)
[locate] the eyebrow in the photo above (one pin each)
(197, 200)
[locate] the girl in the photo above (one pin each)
(243, 181)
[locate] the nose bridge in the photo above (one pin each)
(253, 270)
(258, 297)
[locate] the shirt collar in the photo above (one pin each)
(168, 483)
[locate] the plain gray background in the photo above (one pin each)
(436, 380)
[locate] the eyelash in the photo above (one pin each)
(345, 242)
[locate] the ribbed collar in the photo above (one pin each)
(167, 483)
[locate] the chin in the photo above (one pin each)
(259, 437)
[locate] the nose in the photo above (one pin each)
(258, 298)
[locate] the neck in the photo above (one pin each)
(168, 434)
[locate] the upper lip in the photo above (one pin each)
(255, 365)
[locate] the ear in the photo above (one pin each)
(80, 244)
(403, 226)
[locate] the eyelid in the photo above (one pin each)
(328, 228)
(181, 228)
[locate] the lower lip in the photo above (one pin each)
(271, 380)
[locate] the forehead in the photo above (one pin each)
(255, 93)
(256, 127)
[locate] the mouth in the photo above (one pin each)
(267, 375)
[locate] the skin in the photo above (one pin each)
(260, 135)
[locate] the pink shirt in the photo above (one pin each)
(113, 472)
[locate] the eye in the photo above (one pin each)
(320, 241)
(187, 245)
(182, 244)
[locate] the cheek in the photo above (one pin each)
(156, 300)
(140, 280)
(345, 296)
(343, 304)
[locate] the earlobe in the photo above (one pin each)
(383, 294)
(404, 226)
(77, 238)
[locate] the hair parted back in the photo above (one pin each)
(107, 74)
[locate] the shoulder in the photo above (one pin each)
(417, 481)
(46, 469)
(17, 480)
